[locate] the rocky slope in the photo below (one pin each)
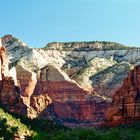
(71, 81)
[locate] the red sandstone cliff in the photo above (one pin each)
(126, 101)
(3, 62)
(52, 94)
(48, 94)
(9, 92)
(68, 100)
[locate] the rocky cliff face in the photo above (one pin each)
(9, 92)
(84, 62)
(68, 99)
(3, 62)
(69, 81)
(46, 96)
(126, 101)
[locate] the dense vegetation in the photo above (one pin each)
(11, 125)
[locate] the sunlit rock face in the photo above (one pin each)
(9, 92)
(126, 101)
(73, 81)
(99, 66)
(68, 99)
(3, 62)
(23, 94)
(96, 66)
(27, 80)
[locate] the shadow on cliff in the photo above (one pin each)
(110, 77)
(49, 113)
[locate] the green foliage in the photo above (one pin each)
(92, 134)
(10, 126)
(6, 132)
(37, 129)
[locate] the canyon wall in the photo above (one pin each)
(126, 101)
(68, 99)
(71, 82)
(54, 93)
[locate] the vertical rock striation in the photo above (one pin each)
(9, 92)
(3, 62)
(126, 101)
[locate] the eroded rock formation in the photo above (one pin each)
(54, 93)
(126, 101)
(68, 100)
(39, 82)
(9, 92)
(3, 62)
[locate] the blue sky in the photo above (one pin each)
(38, 22)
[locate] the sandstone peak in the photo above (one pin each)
(51, 73)
(8, 40)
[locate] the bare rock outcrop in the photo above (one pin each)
(54, 94)
(65, 97)
(9, 92)
(27, 80)
(126, 102)
(3, 62)
(39, 82)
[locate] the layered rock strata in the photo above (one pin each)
(54, 94)
(9, 92)
(68, 99)
(50, 93)
(126, 101)
(3, 62)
